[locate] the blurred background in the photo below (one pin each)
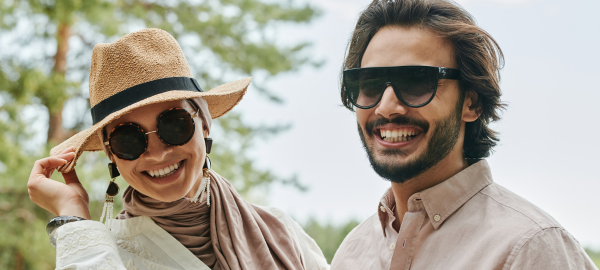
(290, 143)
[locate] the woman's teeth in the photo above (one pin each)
(165, 171)
(397, 135)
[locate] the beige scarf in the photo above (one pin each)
(231, 233)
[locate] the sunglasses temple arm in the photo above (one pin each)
(196, 107)
(449, 73)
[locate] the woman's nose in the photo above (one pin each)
(157, 150)
(390, 105)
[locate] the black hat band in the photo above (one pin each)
(140, 92)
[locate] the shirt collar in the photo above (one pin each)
(385, 210)
(443, 199)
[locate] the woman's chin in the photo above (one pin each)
(167, 198)
(173, 192)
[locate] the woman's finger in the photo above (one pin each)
(71, 177)
(43, 165)
(69, 149)
(72, 181)
(67, 156)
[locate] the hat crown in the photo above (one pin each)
(136, 58)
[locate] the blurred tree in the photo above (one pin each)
(45, 50)
(594, 255)
(329, 236)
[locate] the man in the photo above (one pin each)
(424, 82)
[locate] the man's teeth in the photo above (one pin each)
(397, 135)
(164, 171)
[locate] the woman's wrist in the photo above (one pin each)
(57, 222)
(75, 209)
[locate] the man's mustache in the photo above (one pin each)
(401, 120)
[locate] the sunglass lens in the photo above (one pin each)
(128, 141)
(176, 126)
(364, 87)
(415, 85)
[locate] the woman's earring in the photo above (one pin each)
(208, 143)
(111, 191)
(205, 184)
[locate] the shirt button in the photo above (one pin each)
(393, 246)
(436, 217)
(382, 209)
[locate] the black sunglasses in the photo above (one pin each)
(415, 86)
(129, 141)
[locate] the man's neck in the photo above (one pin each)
(445, 169)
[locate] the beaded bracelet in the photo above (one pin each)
(57, 222)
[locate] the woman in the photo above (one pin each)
(153, 120)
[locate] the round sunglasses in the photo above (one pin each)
(129, 141)
(415, 86)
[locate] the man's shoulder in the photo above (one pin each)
(539, 241)
(514, 209)
(495, 215)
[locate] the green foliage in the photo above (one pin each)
(329, 236)
(24, 244)
(24, 222)
(594, 255)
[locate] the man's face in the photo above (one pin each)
(419, 138)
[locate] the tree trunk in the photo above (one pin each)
(56, 133)
(18, 261)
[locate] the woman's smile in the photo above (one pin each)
(166, 175)
(164, 171)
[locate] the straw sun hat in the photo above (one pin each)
(142, 68)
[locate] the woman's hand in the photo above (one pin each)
(61, 199)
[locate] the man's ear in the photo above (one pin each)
(471, 107)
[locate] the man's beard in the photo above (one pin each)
(441, 143)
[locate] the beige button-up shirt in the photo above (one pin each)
(465, 222)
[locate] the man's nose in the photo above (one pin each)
(390, 105)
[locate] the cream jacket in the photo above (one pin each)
(138, 243)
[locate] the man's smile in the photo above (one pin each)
(397, 133)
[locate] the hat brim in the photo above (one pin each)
(220, 100)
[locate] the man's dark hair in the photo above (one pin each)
(478, 57)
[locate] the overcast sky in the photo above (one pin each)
(549, 146)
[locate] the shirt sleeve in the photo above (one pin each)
(86, 244)
(551, 248)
